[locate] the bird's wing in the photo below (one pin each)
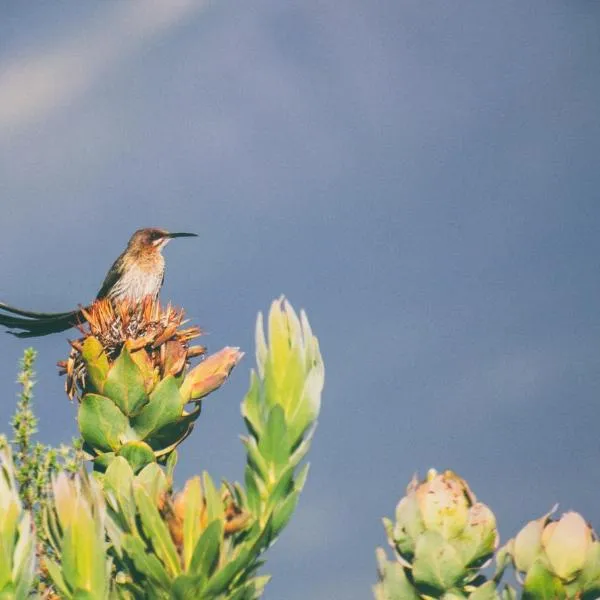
(113, 275)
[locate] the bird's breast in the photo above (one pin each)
(137, 282)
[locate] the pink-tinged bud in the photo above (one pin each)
(567, 543)
(444, 503)
(528, 544)
(210, 374)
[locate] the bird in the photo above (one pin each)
(137, 273)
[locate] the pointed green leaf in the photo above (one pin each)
(301, 477)
(163, 409)
(214, 504)
(149, 372)
(186, 587)
(157, 531)
(274, 445)
(194, 505)
(251, 589)
(255, 458)
(103, 426)
(540, 584)
(393, 584)
(96, 364)
(251, 406)
(55, 572)
(146, 562)
(118, 482)
(169, 437)
(153, 480)
(283, 513)
(222, 579)
(125, 384)
(252, 490)
(207, 552)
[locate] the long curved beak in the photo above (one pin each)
(177, 235)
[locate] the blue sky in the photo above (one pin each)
(422, 178)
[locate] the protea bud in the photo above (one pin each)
(561, 556)
(193, 503)
(129, 371)
(442, 535)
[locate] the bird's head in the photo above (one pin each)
(153, 239)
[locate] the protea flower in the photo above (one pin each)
(442, 537)
(130, 373)
(560, 558)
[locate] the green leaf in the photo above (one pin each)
(163, 408)
(118, 481)
(437, 566)
(214, 504)
(409, 526)
(83, 557)
(153, 480)
(251, 406)
(171, 464)
(252, 490)
(283, 513)
(125, 384)
(186, 587)
(157, 531)
(255, 458)
(393, 583)
(477, 542)
(540, 584)
(301, 477)
(589, 577)
(169, 437)
(223, 578)
(307, 407)
(55, 572)
(96, 364)
(137, 454)
(274, 445)
(487, 591)
(250, 590)
(207, 552)
(146, 366)
(102, 461)
(146, 562)
(103, 426)
(194, 505)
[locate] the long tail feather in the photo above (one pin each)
(39, 326)
(29, 313)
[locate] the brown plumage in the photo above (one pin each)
(137, 273)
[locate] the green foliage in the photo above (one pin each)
(124, 532)
(130, 410)
(35, 462)
(280, 410)
(17, 537)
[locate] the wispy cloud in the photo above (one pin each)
(34, 86)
